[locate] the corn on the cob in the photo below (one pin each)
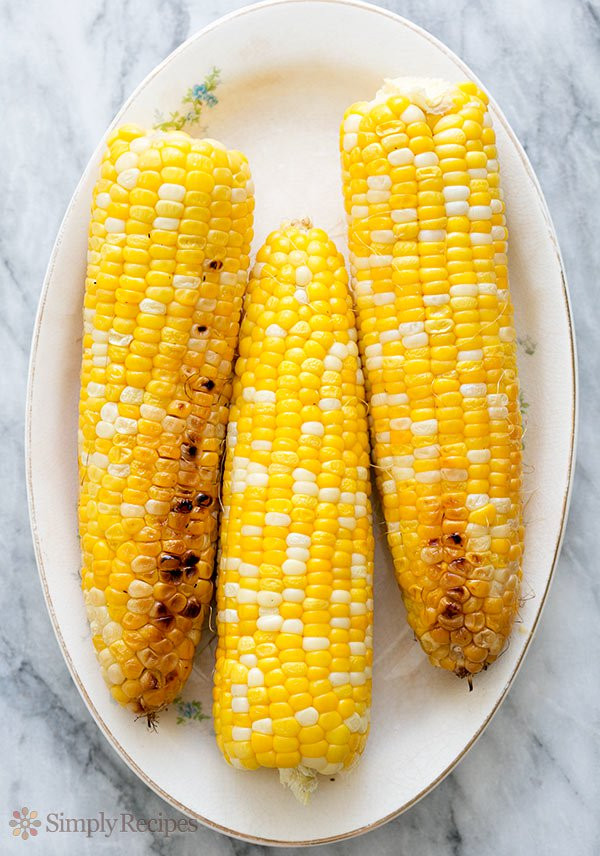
(293, 669)
(427, 236)
(168, 254)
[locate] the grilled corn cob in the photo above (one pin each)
(293, 669)
(168, 252)
(427, 236)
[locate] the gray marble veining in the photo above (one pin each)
(532, 782)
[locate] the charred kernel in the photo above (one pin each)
(183, 506)
(188, 453)
(192, 608)
(215, 264)
(190, 559)
(168, 561)
(208, 384)
(203, 500)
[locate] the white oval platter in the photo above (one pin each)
(288, 70)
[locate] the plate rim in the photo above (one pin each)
(102, 725)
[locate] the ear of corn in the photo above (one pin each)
(293, 669)
(427, 236)
(168, 253)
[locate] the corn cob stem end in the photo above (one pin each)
(302, 782)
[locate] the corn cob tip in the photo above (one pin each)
(305, 224)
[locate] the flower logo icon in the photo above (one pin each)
(24, 823)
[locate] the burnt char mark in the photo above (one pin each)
(215, 264)
(203, 500)
(451, 610)
(456, 539)
(169, 561)
(183, 506)
(201, 328)
(190, 559)
(171, 575)
(192, 608)
(188, 452)
(209, 384)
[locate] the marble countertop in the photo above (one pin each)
(532, 782)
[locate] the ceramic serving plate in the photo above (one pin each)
(288, 70)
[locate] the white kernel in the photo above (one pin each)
(269, 623)
(349, 523)
(453, 474)
(404, 215)
(339, 679)
(183, 281)
(357, 679)
(293, 595)
(112, 632)
(167, 224)
(352, 122)
(265, 396)
(376, 197)
(96, 390)
(340, 596)
(303, 275)
(119, 471)
(249, 570)
(342, 623)
(329, 404)
(507, 334)
(293, 568)
(470, 356)
(123, 425)
(103, 200)
(479, 239)
(173, 192)
(383, 236)
(457, 209)
(316, 429)
(426, 159)
(400, 157)
(119, 339)
(152, 307)
(292, 625)
(350, 141)
(424, 428)
(479, 456)
(308, 716)
(128, 160)
(114, 673)
(245, 595)
(358, 649)
(429, 477)
(105, 430)
(274, 518)
(154, 414)
(113, 224)
(130, 510)
(298, 553)
(231, 589)
(454, 193)
(315, 643)
(436, 299)
(379, 182)
(435, 235)
(255, 677)
(305, 488)
(464, 289)
(263, 726)
(240, 705)
(131, 395)
(258, 480)
(251, 531)
(295, 539)
(412, 114)
(332, 364)
(498, 413)
(269, 598)
(275, 331)
(159, 509)
(473, 390)
(239, 733)
(329, 494)
(128, 178)
(476, 500)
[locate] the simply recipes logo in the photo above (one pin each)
(25, 823)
